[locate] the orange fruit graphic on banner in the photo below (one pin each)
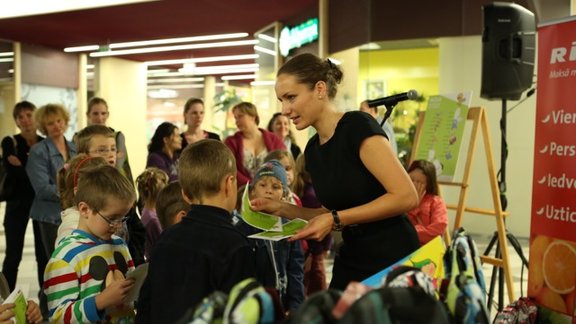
(559, 264)
(552, 300)
(535, 272)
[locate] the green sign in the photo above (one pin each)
(297, 36)
(442, 132)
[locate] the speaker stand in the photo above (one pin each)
(498, 272)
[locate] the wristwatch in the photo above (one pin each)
(337, 224)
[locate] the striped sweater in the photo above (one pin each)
(77, 272)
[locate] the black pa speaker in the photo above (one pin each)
(508, 49)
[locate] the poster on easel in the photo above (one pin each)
(442, 132)
(552, 269)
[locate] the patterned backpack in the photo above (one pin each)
(463, 288)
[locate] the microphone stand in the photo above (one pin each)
(387, 113)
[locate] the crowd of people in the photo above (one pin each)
(182, 214)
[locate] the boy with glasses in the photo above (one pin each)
(99, 141)
(85, 277)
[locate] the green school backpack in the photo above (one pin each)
(463, 288)
(249, 303)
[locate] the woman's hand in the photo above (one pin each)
(266, 205)
(316, 229)
(33, 314)
(6, 314)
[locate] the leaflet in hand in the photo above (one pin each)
(17, 298)
(259, 220)
(272, 225)
(138, 274)
(288, 230)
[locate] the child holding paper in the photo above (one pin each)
(280, 264)
(33, 314)
(85, 277)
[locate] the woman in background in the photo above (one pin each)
(280, 125)
(98, 114)
(250, 144)
(15, 151)
(193, 117)
(163, 149)
(44, 161)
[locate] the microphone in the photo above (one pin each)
(391, 101)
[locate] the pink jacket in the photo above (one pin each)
(234, 142)
(430, 218)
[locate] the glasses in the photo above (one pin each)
(103, 151)
(113, 223)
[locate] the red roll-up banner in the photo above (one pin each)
(552, 270)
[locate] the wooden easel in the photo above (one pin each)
(478, 118)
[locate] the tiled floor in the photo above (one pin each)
(28, 283)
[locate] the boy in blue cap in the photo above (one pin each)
(280, 265)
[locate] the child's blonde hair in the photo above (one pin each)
(97, 185)
(68, 176)
(301, 176)
(279, 155)
(149, 184)
(83, 137)
(169, 203)
(203, 166)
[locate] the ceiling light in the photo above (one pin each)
(238, 77)
(204, 59)
(267, 38)
(163, 94)
(86, 48)
(209, 72)
(264, 50)
(177, 40)
(370, 46)
(177, 86)
(8, 59)
(6, 54)
(167, 74)
(12, 8)
(158, 71)
(172, 48)
(263, 83)
(175, 80)
(89, 66)
(222, 69)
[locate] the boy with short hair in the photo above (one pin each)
(85, 277)
(97, 140)
(170, 205)
(204, 252)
